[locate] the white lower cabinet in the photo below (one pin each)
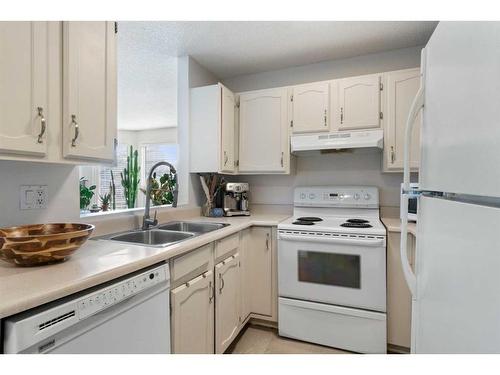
(398, 294)
(193, 316)
(258, 271)
(227, 302)
(211, 304)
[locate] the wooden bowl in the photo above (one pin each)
(37, 244)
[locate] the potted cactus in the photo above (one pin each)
(130, 178)
(105, 200)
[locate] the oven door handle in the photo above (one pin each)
(375, 242)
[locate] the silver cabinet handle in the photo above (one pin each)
(211, 292)
(77, 131)
(222, 283)
(393, 155)
(267, 241)
(325, 117)
(225, 158)
(282, 154)
(43, 124)
(341, 115)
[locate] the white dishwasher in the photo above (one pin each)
(130, 315)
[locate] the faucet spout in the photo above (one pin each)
(147, 221)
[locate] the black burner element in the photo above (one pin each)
(357, 221)
(355, 225)
(300, 222)
(310, 218)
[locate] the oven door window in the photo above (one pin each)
(329, 269)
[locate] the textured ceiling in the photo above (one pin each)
(230, 48)
(147, 52)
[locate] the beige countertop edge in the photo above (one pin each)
(97, 262)
(393, 224)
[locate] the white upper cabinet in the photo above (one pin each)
(228, 104)
(400, 90)
(310, 108)
(357, 103)
(263, 132)
(24, 88)
(89, 82)
(212, 130)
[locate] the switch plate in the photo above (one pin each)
(33, 197)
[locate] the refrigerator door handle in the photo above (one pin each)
(417, 105)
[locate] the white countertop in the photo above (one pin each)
(96, 262)
(393, 224)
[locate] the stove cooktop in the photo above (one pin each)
(336, 224)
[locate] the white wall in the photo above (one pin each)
(139, 137)
(190, 74)
(373, 63)
(62, 182)
(362, 167)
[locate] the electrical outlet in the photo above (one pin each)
(33, 197)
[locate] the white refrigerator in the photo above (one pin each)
(456, 283)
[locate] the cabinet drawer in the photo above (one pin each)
(192, 264)
(227, 246)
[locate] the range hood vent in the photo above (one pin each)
(338, 140)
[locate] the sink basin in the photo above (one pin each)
(192, 227)
(157, 238)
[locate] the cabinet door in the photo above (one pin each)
(263, 145)
(227, 131)
(401, 88)
(23, 87)
(358, 103)
(89, 102)
(227, 308)
(311, 108)
(398, 294)
(193, 316)
(260, 265)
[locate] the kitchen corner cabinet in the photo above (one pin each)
(212, 130)
(356, 103)
(89, 90)
(258, 272)
(263, 132)
(398, 294)
(400, 90)
(227, 302)
(193, 316)
(310, 108)
(24, 79)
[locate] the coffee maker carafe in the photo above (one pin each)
(236, 199)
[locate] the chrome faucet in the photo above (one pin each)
(147, 221)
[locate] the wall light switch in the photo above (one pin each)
(33, 197)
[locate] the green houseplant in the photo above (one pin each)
(105, 200)
(162, 189)
(130, 178)
(86, 194)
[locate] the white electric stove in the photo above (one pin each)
(332, 269)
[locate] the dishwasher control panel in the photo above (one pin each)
(95, 302)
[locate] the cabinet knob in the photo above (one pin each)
(43, 124)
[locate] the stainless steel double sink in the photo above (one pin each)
(165, 234)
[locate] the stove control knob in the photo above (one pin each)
(302, 195)
(367, 196)
(356, 196)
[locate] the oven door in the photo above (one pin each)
(333, 269)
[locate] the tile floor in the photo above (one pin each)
(263, 340)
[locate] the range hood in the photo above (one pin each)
(338, 140)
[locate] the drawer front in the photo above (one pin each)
(227, 246)
(192, 264)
